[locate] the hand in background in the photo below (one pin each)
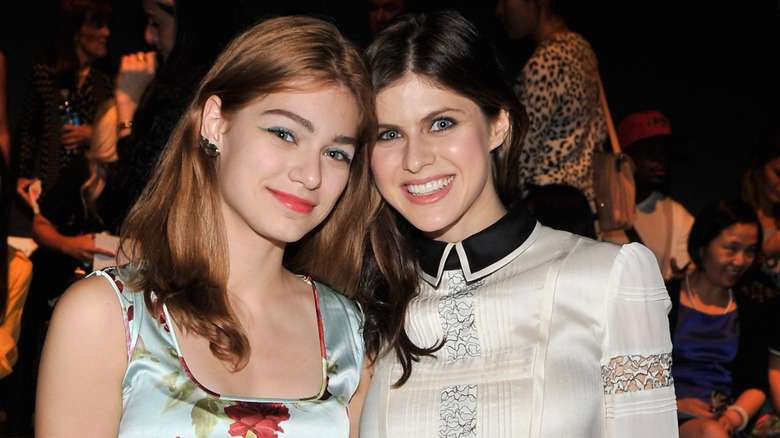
(23, 189)
(136, 71)
(729, 421)
(695, 407)
(72, 136)
(83, 248)
(678, 273)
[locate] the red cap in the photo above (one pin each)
(638, 126)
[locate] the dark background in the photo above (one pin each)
(712, 67)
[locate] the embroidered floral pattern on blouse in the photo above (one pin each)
(456, 313)
(458, 412)
(636, 373)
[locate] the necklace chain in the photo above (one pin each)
(688, 290)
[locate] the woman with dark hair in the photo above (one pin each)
(63, 93)
(205, 333)
(488, 323)
(719, 337)
(154, 88)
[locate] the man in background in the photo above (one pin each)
(662, 224)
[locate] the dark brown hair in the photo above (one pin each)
(452, 53)
(61, 52)
(175, 235)
(713, 219)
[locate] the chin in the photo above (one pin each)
(431, 229)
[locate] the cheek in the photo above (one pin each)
(169, 40)
(336, 181)
(167, 37)
(471, 150)
(383, 165)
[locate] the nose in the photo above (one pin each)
(417, 155)
(742, 259)
(150, 35)
(308, 172)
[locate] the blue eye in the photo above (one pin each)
(282, 133)
(442, 124)
(338, 155)
(390, 134)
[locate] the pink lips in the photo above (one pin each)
(430, 198)
(293, 202)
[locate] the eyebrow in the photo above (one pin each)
(295, 117)
(345, 139)
(436, 112)
(432, 115)
(340, 139)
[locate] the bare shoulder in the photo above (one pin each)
(89, 291)
(90, 305)
(84, 360)
(88, 323)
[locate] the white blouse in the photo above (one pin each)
(547, 334)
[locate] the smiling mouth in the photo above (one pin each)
(429, 187)
(293, 202)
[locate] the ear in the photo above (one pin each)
(499, 129)
(213, 124)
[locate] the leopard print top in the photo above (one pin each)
(559, 87)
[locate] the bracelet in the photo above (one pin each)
(742, 414)
(127, 124)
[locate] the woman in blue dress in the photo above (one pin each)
(215, 336)
(719, 337)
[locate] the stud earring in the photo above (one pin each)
(210, 148)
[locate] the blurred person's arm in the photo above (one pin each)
(81, 247)
(136, 72)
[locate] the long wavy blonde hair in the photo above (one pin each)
(100, 155)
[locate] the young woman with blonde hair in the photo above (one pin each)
(215, 336)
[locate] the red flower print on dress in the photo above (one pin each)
(261, 418)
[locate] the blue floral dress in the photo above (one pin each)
(160, 398)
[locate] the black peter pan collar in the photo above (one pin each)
(479, 254)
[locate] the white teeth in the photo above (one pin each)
(429, 187)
